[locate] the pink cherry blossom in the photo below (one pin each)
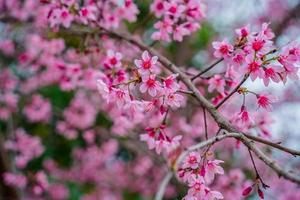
(254, 67)
(222, 49)
(216, 82)
(150, 84)
(39, 110)
(211, 168)
(170, 84)
(265, 101)
(174, 100)
(243, 32)
(147, 63)
(113, 59)
(192, 161)
(88, 13)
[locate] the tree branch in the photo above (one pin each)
(274, 145)
(163, 185)
(248, 143)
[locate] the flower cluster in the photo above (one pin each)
(157, 139)
(39, 110)
(162, 94)
(253, 55)
(178, 18)
(199, 172)
(27, 147)
(107, 14)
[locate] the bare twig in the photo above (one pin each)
(163, 185)
(205, 123)
(207, 69)
(273, 144)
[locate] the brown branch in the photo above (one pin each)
(205, 123)
(274, 145)
(249, 144)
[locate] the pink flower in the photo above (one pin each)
(259, 44)
(244, 115)
(161, 143)
(164, 29)
(196, 187)
(158, 7)
(17, 180)
(243, 32)
(128, 11)
(174, 143)
(212, 195)
(80, 113)
(222, 49)
(170, 84)
(266, 31)
(121, 97)
(147, 63)
(174, 9)
(103, 90)
(216, 82)
(174, 100)
(271, 73)
(254, 67)
(87, 13)
(149, 137)
(150, 84)
(192, 161)
(41, 183)
(61, 16)
(28, 147)
(265, 101)
(212, 168)
(58, 191)
(113, 59)
(39, 110)
(180, 31)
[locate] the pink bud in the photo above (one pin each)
(247, 191)
(202, 171)
(260, 193)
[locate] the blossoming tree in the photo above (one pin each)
(102, 99)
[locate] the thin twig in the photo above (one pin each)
(207, 69)
(265, 186)
(205, 123)
(273, 144)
